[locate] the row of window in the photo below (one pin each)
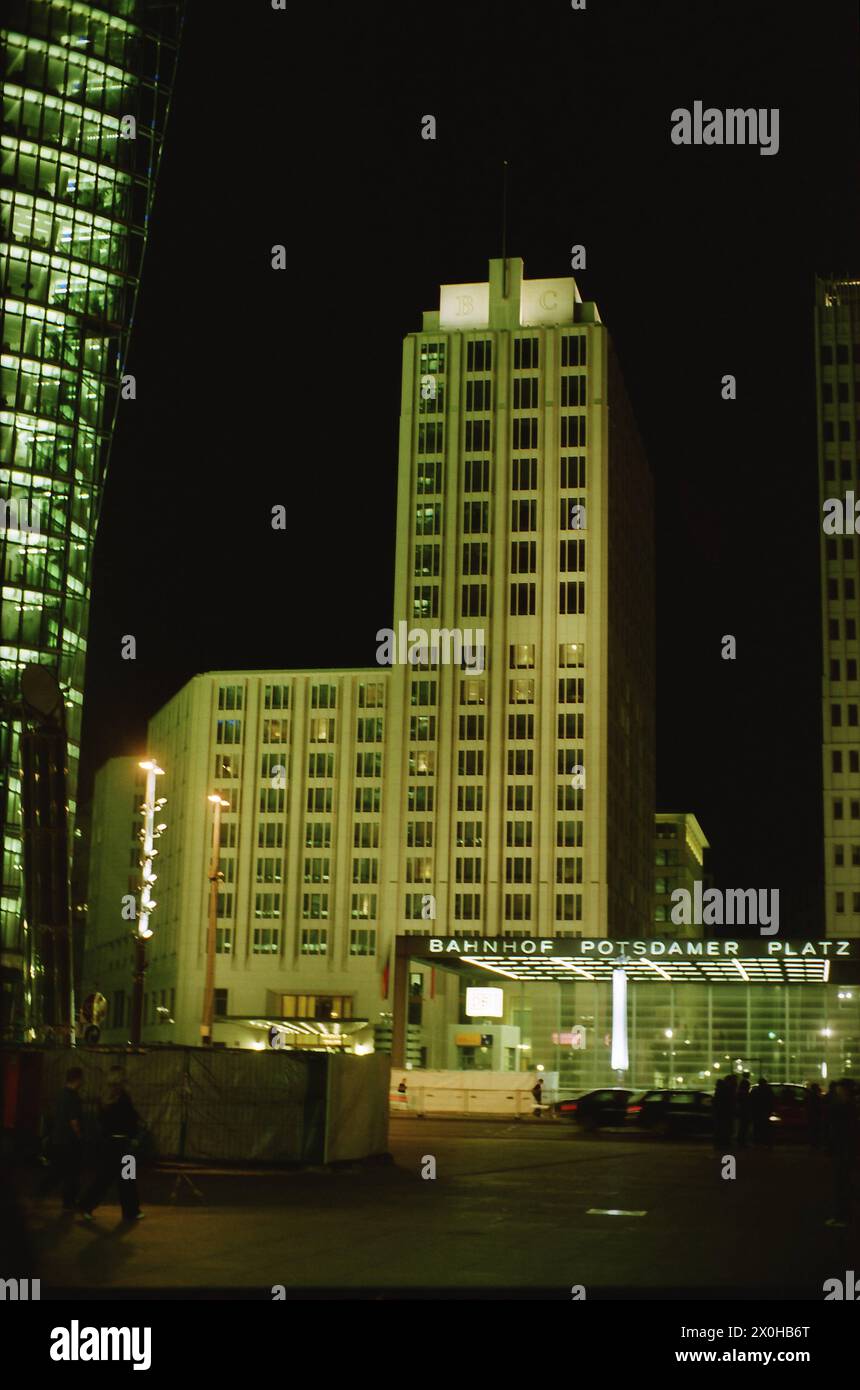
(479, 354)
(313, 941)
(477, 474)
(517, 907)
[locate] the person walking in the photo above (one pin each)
(842, 1141)
(537, 1092)
(66, 1143)
(120, 1124)
(761, 1107)
(744, 1111)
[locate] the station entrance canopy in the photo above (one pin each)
(758, 960)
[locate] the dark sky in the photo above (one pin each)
(257, 388)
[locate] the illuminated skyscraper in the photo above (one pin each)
(837, 351)
(85, 99)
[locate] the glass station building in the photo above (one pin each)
(86, 90)
(695, 1008)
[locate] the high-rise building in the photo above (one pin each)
(501, 781)
(837, 353)
(679, 862)
(86, 91)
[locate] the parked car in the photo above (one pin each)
(672, 1112)
(596, 1109)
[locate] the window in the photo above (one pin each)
(319, 799)
(229, 731)
(362, 941)
(371, 696)
(220, 1003)
(479, 395)
(518, 869)
(369, 731)
(317, 870)
(269, 870)
(476, 517)
(524, 515)
(428, 518)
(419, 834)
(470, 762)
(426, 560)
(571, 555)
(477, 438)
(573, 390)
(265, 941)
(314, 941)
(230, 697)
(473, 600)
(519, 833)
(467, 907)
(320, 730)
(227, 765)
(472, 691)
(425, 601)
(521, 726)
(521, 656)
(573, 351)
(476, 475)
(571, 597)
(479, 356)
(432, 359)
(431, 438)
(468, 870)
(471, 727)
(318, 835)
(276, 730)
(276, 697)
(267, 904)
(525, 353)
(475, 557)
(522, 599)
(572, 431)
(223, 941)
(367, 799)
(365, 835)
(523, 474)
(525, 432)
(363, 906)
(571, 690)
(428, 476)
(365, 870)
(422, 693)
(520, 798)
(572, 470)
(518, 907)
(314, 905)
(521, 691)
(272, 799)
(422, 727)
(323, 696)
(470, 833)
(523, 557)
(571, 654)
(525, 393)
(270, 835)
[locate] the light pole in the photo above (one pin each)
(215, 876)
(149, 834)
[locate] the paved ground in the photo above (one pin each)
(510, 1207)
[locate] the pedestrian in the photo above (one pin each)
(761, 1108)
(744, 1111)
(842, 1141)
(120, 1124)
(401, 1089)
(814, 1107)
(537, 1092)
(66, 1145)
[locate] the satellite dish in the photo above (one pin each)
(41, 690)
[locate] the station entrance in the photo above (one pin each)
(658, 1012)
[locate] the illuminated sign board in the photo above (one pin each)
(464, 306)
(606, 948)
(485, 1003)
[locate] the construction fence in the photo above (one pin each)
(213, 1106)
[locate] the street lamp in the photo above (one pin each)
(215, 876)
(149, 834)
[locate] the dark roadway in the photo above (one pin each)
(512, 1206)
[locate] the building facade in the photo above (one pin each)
(837, 355)
(85, 98)
(495, 769)
(679, 861)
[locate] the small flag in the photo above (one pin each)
(385, 975)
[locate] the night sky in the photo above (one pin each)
(256, 387)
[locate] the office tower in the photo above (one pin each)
(85, 98)
(837, 354)
(525, 510)
(504, 784)
(679, 862)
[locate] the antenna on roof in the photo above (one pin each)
(504, 229)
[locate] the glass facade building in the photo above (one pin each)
(86, 91)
